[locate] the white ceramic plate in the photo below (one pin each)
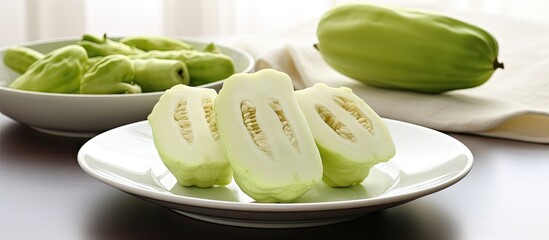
(86, 115)
(426, 161)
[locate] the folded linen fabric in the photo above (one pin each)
(513, 104)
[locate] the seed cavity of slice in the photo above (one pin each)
(181, 116)
(249, 118)
(285, 125)
(209, 115)
(351, 107)
(333, 122)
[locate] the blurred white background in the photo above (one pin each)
(29, 20)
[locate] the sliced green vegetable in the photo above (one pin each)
(104, 46)
(266, 137)
(350, 136)
(186, 137)
(111, 74)
(154, 42)
(59, 71)
(20, 59)
(159, 74)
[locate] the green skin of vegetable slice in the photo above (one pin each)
(110, 75)
(59, 71)
(271, 150)
(406, 49)
(204, 67)
(153, 42)
(104, 46)
(20, 59)
(159, 74)
(193, 153)
(346, 160)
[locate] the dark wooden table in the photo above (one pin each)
(44, 194)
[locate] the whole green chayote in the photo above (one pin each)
(20, 59)
(111, 74)
(155, 42)
(154, 74)
(406, 49)
(59, 71)
(104, 46)
(204, 67)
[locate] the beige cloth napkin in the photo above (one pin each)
(513, 104)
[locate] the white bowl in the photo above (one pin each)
(86, 115)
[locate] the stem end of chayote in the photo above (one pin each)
(498, 64)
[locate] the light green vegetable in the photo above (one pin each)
(204, 67)
(186, 137)
(154, 42)
(104, 46)
(406, 49)
(266, 137)
(111, 74)
(350, 136)
(211, 47)
(59, 71)
(159, 74)
(93, 60)
(20, 59)
(154, 70)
